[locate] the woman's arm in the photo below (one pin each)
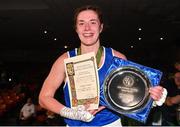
(51, 84)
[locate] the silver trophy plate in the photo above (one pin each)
(126, 89)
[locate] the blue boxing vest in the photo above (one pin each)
(105, 116)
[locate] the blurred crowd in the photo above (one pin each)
(20, 102)
(23, 98)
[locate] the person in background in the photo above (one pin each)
(51, 118)
(172, 102)
(88, 25)
(27, 113)
(177, 65)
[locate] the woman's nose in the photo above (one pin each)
(87, 26)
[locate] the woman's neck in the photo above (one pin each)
(98, 50)
(86, 49)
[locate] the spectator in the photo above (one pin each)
(177, 65)
(172, 101)
(50, 118)
(27, 113)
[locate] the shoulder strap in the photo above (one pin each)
(72, 52)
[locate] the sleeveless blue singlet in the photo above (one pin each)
(104, 117)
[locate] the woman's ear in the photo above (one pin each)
(101, 27)
(75, 28)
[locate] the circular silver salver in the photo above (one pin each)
(126, 89)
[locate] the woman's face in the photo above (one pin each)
(88, 27)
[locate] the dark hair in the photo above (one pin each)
(88, 7)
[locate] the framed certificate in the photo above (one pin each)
(83, 80)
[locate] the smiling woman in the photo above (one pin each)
(88, 26)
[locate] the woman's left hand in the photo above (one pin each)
(156, 92)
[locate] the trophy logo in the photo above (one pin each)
(128, 81)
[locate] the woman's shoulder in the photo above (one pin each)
(118, 54)
(60, 59)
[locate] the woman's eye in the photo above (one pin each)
(80, 24)
(93, 22)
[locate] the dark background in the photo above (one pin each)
(33, 33)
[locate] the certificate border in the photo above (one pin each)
(70, 74)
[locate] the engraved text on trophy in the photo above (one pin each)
(127, 89)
